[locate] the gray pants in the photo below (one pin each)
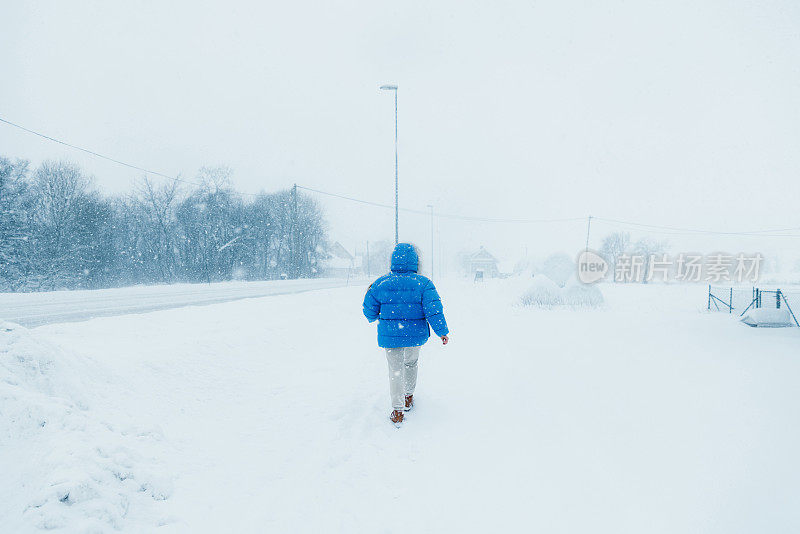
(402, 374)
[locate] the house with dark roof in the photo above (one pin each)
(481, 264)
(340, 263)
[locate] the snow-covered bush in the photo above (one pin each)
(583, 295)
(544, 293)
(559, 268)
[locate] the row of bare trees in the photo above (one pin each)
(617, 244)
(57, 231)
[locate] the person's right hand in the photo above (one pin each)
(445, 339)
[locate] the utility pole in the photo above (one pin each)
(588, 229)
(441, 251)
(368, 274)
(432, 263)
(295, 266)
(396, 186)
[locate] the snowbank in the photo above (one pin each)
(63, 464)
(545, 293)
(768, 317)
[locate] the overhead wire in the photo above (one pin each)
(684, 231)
(440, 214)
(97, 154)
(671, 230)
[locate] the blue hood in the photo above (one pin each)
(404, 259)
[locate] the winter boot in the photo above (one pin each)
(409, 402)
(396, 418)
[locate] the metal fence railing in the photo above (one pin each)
(730, 299)
(727, 299)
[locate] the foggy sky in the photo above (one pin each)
(667, 113)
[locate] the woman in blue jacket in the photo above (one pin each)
(404, 303)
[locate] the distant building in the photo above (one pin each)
(481, 264)
(340, 263)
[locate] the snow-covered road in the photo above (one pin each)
(35, 309)
(270, 415)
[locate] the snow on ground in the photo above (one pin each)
(47, 307)
(69, 459)
(270, 415)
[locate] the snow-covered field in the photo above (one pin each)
(270, 415)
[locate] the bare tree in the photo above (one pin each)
(215, 179)
(645, 248)
(58, 188)
(615, 245)
(14, 230)
(158, 205)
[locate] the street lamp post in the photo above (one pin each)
(396, 203)
(432, 264)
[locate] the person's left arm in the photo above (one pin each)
(434, 311)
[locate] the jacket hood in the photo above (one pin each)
(404, 259)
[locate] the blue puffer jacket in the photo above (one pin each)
(405, 302)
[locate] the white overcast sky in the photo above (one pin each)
(670, 113)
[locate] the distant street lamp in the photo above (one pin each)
(396, 203)
(432, 264)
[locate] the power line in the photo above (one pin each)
(108, 158)
(674, 230)
(442, 215)
(502, 220)
(671, 230)
(358, 200)
(96, 154)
